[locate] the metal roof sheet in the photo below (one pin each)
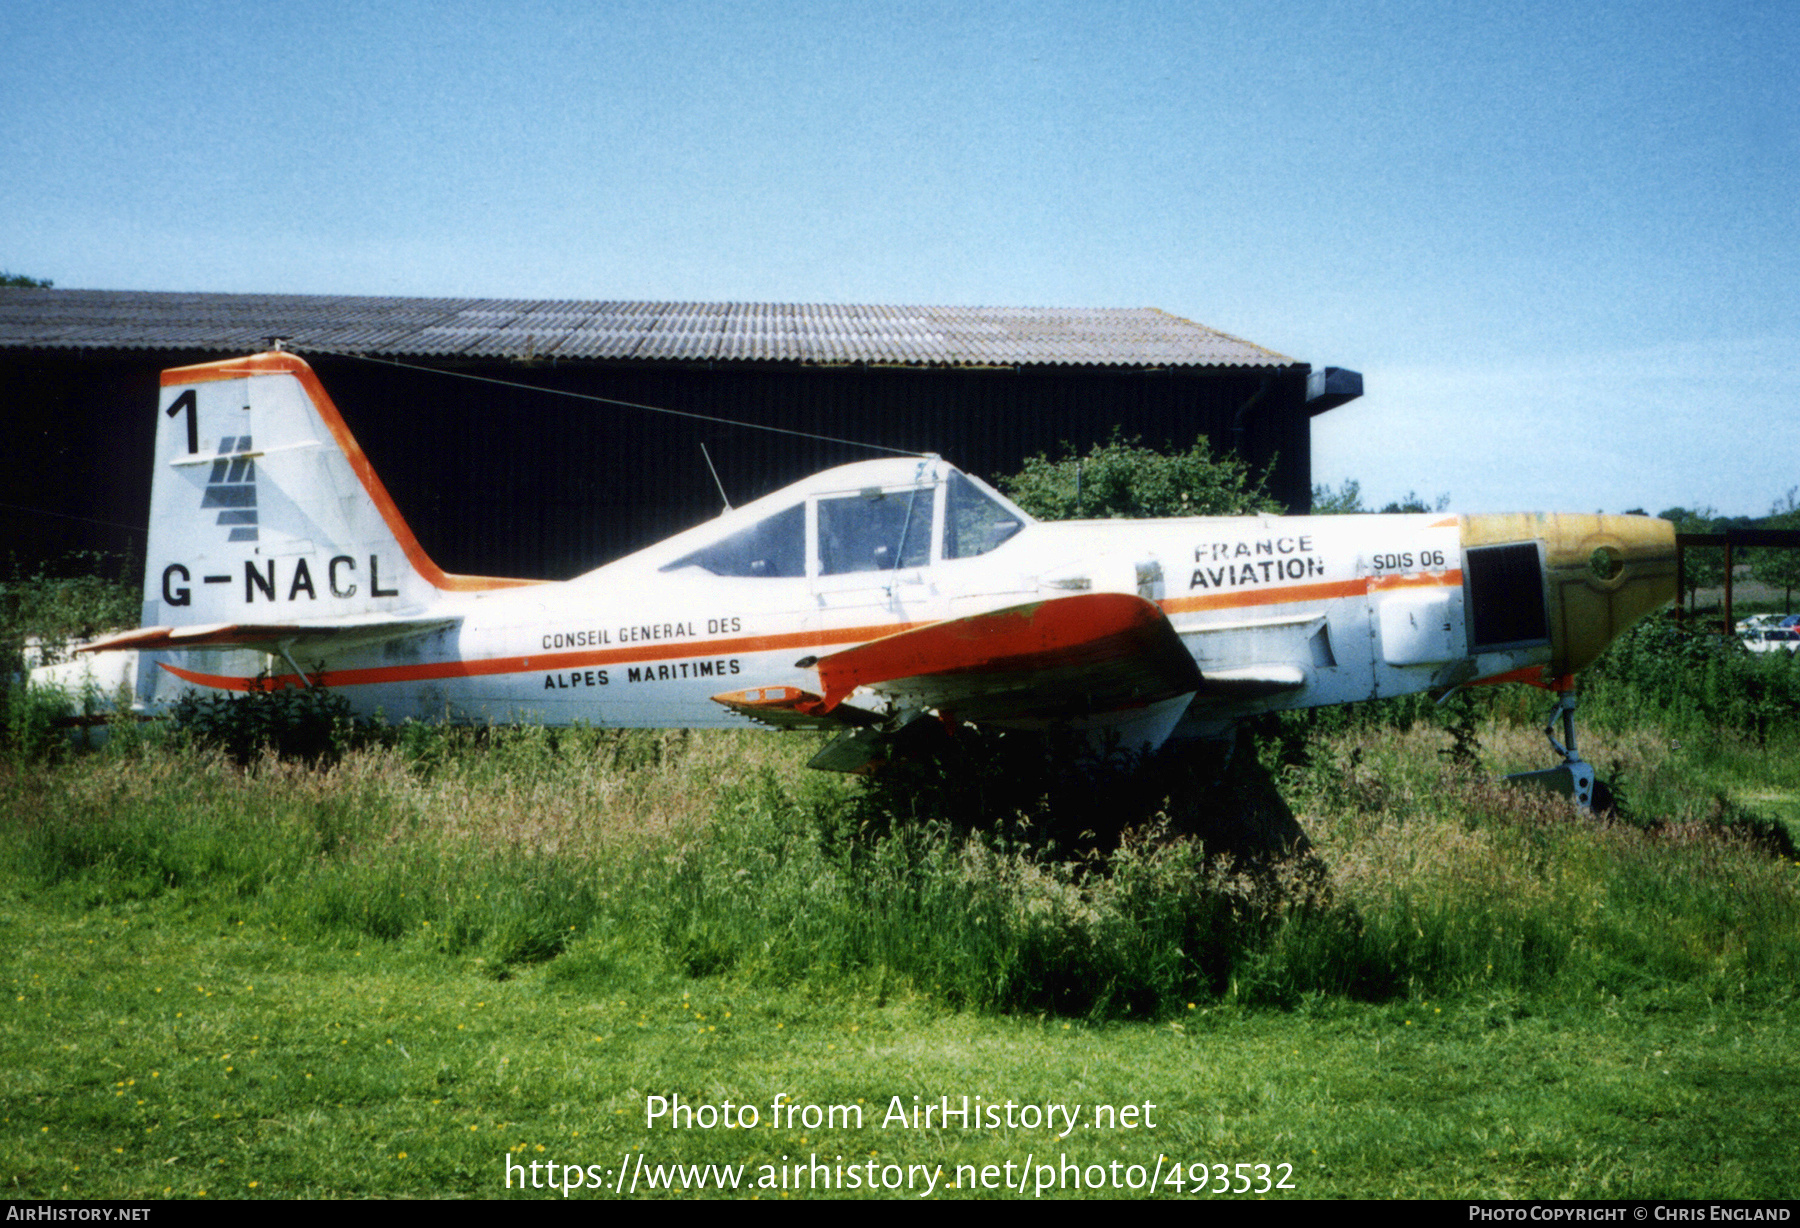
(629, 331)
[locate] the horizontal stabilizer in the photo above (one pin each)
(335, 634)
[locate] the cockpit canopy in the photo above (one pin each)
(878, 516)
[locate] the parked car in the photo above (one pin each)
(1775, 639)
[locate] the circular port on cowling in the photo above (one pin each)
(1605, 563)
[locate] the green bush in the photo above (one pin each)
(41, 613)
(311, 724)
(36, 722)
(1121, 479)
(1692, 680)
(80, 595)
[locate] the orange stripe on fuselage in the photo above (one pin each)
(278, 363)
(549, 662)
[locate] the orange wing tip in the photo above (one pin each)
(767, 697)
(786, 707)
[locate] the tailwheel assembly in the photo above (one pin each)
(1574, 778)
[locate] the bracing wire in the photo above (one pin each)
(714, 470)
(588, 396)
(44, 511)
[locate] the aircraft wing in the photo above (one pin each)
(335, 633)
(1065, 657)
(1062, 658)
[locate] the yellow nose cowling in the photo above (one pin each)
(1601, 573)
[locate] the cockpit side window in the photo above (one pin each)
(773, 546)
(974, 523)
(877, 530)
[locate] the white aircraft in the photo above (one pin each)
(861, 600)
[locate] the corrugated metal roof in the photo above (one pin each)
(612, 331)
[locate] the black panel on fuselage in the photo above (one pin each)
(1506, 596)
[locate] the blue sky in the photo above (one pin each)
(1562, 243)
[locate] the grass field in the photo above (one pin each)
(437, 964)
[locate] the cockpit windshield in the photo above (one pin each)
(975, 523)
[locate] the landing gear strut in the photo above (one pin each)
(1574, 778)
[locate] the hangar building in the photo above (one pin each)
(458, 404)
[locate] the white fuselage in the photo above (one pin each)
(1362, 606)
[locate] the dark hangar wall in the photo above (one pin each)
(509, 481)
(79, 431)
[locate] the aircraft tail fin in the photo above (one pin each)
(263, 508)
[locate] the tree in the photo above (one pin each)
(1776, 567)
(1412, 503)
(1703, 567)
(1123, 480)
(1346, 500)
(19, 279)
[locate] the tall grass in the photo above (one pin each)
(629, 854)
(621, 856)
